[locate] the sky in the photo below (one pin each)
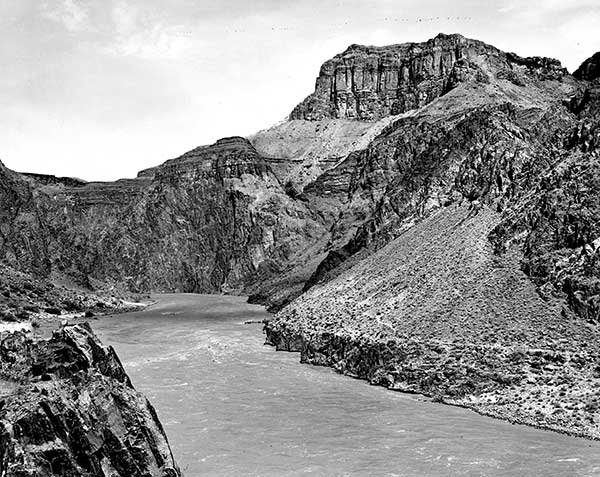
(100, 89)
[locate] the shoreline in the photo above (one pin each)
(346, 357)
(42, 325)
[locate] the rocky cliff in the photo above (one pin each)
(589, 69)
(68, 408)
(273, 215)
(366, 82)
(22, 242)
(426, 218)
(480, 139)
(204, 222)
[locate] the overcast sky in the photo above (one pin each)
(99, 89)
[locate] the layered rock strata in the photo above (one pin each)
(492, 154)
(473, 278)
(368, 83)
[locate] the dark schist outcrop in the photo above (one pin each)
(22, 242)
(68, 408)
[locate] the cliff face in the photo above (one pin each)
(204, 222)
(274, 215)
(368, 83)
(68, 408)
(322, 190)
(22, 243)
(484, 139)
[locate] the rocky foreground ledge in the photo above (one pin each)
(68, 408)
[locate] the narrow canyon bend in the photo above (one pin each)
(428, 219)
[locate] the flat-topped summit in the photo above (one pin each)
(371, 82)
(440, 39)
(231, 156)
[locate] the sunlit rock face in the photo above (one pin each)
(368, 83)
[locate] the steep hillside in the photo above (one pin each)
(429, 215)
(437, 312)
(556, 224)
(483, 137)
(475, 278)
(299, 151)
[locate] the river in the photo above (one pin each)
(232, 406)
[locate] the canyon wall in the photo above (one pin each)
(368, 82)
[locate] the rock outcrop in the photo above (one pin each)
(449, 118)
(368, 83)
(205, 222)
(556, 223)
(22, 241)
(68, 408)
(589, 69)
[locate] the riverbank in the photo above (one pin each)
(41, 305)
(518, 385)
(438, 312)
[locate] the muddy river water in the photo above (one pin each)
(232, 406)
